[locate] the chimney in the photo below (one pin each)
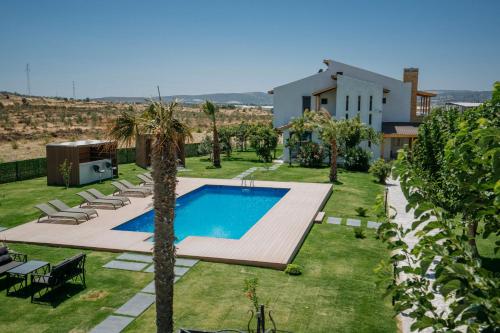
(411, 75)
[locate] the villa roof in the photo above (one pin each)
(319, 92)
(426, 93)
(400, 129)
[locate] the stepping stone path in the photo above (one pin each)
(112, 324)
(136, 305)
(126, 265)
(333, 220)
(253, 169)
(353, 222)
(373, 225)
(135, 257)
(142, 300)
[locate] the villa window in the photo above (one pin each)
(306, 103)
(384, 100)
(347, 103)
(324, 101)
(370, 119)
(371, 103)
(359, 103)
(369, 144)
(347, 116)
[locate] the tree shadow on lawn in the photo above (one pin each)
(54, 297)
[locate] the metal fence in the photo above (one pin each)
(37, 167)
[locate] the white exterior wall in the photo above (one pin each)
(288, 98)
(353, 82)
(398, 104)
(348, 86)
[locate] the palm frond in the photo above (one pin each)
(124, 128)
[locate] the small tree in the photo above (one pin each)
(206, 146)
(264, 140)
(241, 133)
(65, 170)
(226, 134)
(380, 169)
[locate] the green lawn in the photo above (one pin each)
(336, 293)
(82, 309)
(353, 189)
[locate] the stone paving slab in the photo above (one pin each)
(373, 225)
(334, 220)
(185, 262)
(125, 265)
(178, 271)
(353, 222)
(150, 288)
(136, 305)
(135, 257)
(112, 324)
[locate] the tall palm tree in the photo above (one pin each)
(211, 110)
(160, 122)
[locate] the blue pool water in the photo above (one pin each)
(214, 211)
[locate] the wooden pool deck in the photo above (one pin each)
(272, 242)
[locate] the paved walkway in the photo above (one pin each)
(244, 174)
(398, 202)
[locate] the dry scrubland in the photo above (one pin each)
(27, 124)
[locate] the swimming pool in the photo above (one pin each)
(214, 211)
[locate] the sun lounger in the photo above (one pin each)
(91, 201)
(53, 214)
(128, 184)
(122, 190)
(58, 204)
(145, 180)
(99, 195)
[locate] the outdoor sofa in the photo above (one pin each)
(10, 259)
(71, 269)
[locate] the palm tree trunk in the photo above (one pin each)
(164, 175)
(333, 161)
(181, 150)
(216, 161)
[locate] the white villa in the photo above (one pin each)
(391, 106)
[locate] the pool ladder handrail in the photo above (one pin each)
(251, 181)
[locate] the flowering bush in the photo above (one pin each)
(310, 154)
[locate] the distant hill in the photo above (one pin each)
(444, 96)
(262, 98)
(249, 98)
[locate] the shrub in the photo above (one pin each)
(65, 170)
(293, 269)
(250, 291)
(14, 145)
(380, 169)
(357, 159)
(310, 154)
(361, 211)
(205, 146)
(264, 140)
(359, 233)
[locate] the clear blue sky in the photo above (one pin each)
(126, 48)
